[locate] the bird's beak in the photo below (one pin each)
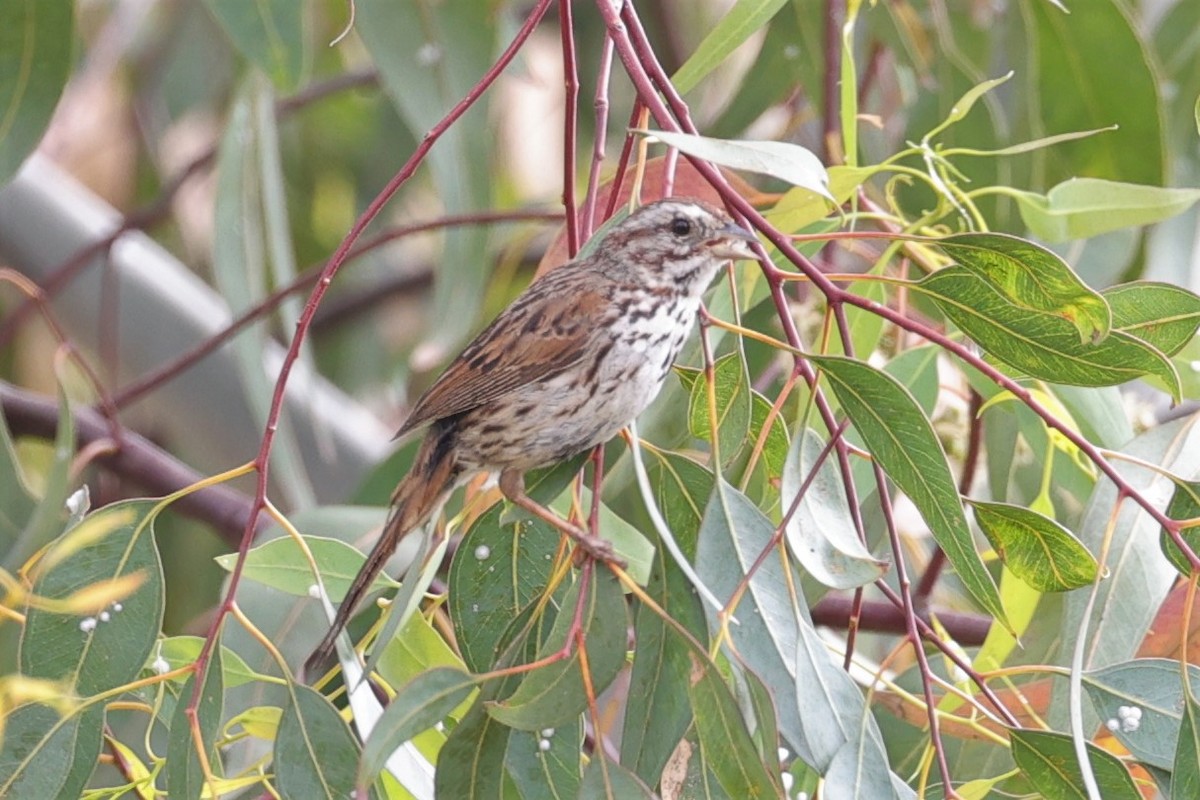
(733, 241)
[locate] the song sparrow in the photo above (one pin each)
(574, 359)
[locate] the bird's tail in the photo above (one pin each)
(417, 497)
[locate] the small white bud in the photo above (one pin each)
(161, 666)
(87, 624)
(105, 616)
(543, 745)
(482, 552)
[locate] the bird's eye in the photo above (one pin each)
(681, 226)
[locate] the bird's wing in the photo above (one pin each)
(543, 333)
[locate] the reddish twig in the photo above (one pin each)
(570, 122)
(600, 109)
(164, 373)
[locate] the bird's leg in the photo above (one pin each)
(512, 484)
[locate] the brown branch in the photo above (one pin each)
(137, 459)
(835, 611)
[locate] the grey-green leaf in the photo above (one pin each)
(821, 534)
(1154, 686)
(788, 162)
(1081, 208)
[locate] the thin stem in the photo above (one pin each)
(570, 122)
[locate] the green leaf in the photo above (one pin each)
(46, 521)
(783, 160)
(1033, 278)
(1185, 768)
(416, 649)
(47, 754)
(479, 744)
(487, 593)
(1037, 549)
(185, 775)
(1043, 346)
(1081, 208)
(555, 694)
(1048, 760)
(1155, 687)
(280, 564)
(739, 24)
(426, 700)
(553, 772)
(628, 542)
(731, 385)
(963, 106)
(821, 534)
(1091, 71)
(315, 752)
(1185, 504)
(1161, 315)
(36, 39)
(271, 34)
(657, 714)
(765, 730)
(110, 649)
(902, 440)
(726, 745)
(608, 780)
(800, 207)
(179, 651)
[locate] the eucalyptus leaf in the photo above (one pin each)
(1048, 760)
(1041, 345)
(1085, 207)
(788, 162)
(744, 19)
(36, 40)
(1152, 686)
(315, 752)
(280, 564)
(821, 534)
(1161, 315)
(902, 440)
(1032, 277)
(1037, 549)
(1185, 504)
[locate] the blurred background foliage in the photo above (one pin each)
(307, 121)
